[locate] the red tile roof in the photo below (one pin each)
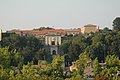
(42, 32)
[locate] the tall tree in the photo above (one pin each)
(4, 57)
(116, 24)
(96, 66)
(111, 67)
(58, 65)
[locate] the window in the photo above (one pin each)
(53, 42)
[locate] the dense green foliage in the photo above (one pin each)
(28, 47)
(116, 24)
(25, 58)
(97, 45)
(109, 69)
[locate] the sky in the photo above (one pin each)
(30, 14)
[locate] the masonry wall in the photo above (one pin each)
(89, 29)
(0, 34)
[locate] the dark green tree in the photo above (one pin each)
(28, 47)
(116, 24)
(44, 28)
(111, 67)
(97, 67)
(4, 57)
(58, 65)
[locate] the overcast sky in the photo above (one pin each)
(29, 14)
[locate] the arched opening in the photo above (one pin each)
(53, 52)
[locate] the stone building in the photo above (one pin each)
(72, 31)
(0, 35)
(89, 28)
(53, 38)
(40, 34)
(52, 43)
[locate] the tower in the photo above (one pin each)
(52, 42)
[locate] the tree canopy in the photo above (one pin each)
(44, 28)
(25, 58)
(116, 24)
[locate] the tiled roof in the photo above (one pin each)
(42, 32)
(90, 25)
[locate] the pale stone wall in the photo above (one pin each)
(53, 42)
(72, 31)
(49, 39)
(52, 48)
(82, 30)
(0, 35)
(89, 28)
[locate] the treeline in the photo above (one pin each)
(29, 48)
(44, 28)
(96, 45)
(55, 70)
(20, 54)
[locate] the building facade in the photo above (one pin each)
(40, 34)
(89, 28)
(0, 35)
(52, 43)
(53, 38)
(72, 31)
